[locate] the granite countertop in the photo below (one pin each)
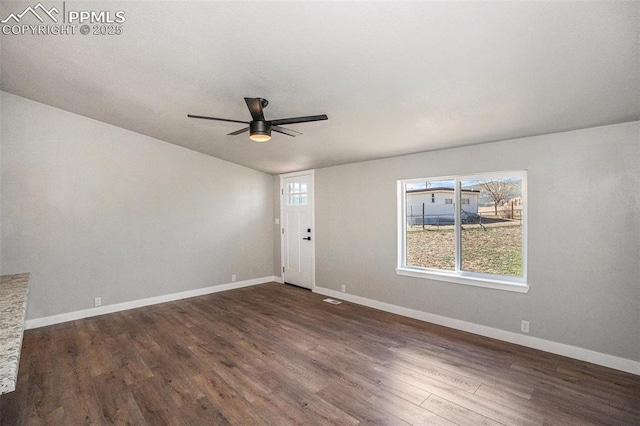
(14, 290)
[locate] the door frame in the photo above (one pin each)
(311, 174)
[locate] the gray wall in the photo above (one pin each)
(95, 210)
(583, 236)
(1, 186)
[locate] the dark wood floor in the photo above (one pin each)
(275, 354)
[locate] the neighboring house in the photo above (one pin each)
(438, 205)
(517, 202)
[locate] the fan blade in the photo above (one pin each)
(289, 130)
(285, 131)
(217, 119)
(299, 119)
(237, 132)
(255, 108)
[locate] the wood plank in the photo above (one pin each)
(485, 407)
(525, 405)
(456, 413)
(407, 411)
(358, 406)
(426, 369)
(117, 405)
(366, 375)
(496, 377)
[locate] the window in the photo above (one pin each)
(297, 194)
(476, 237)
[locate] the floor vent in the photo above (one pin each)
(332, 301)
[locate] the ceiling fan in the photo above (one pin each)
(260, 128)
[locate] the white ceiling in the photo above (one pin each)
(394, 78)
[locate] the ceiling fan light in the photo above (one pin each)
(259, 137)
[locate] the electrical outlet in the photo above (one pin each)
(233, 278)
(524, 326)
(344, 288)
(97, 301)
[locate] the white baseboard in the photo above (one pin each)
(574, 352)
(107, 309)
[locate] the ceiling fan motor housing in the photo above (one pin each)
(260, 127)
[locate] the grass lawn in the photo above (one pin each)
(496, 250)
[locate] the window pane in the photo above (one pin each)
(491, 232)
(297, 194)
(430, 235)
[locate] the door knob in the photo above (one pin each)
(307, 238)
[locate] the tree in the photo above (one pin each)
(498, 191)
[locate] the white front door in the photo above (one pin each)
(298, 239)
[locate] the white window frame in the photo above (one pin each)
(498, 282)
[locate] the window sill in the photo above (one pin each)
(457, 279)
